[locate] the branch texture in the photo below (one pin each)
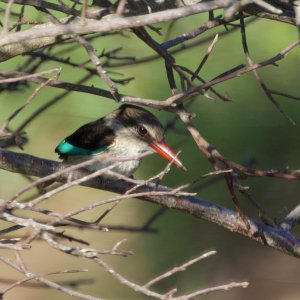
(273, 237)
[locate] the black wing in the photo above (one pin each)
(88, 139)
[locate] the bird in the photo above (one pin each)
(127, 132)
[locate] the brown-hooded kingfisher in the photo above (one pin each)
(128, 131)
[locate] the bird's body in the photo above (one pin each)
(127, 132)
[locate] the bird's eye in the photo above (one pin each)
(142, 131)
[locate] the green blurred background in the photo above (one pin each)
(247, 127)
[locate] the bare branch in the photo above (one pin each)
(257, 76)
(173, 101)
(55, 83)
(146, 291)
(61, 34)
(28, 101)
(179, 268)
(20, 76)
(273, 237)
(117, 23)
(210, 48)
(292, 219)
(224, 287)
(83, 252)
(5, 28)
(47, 282)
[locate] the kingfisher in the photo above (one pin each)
(126, 132)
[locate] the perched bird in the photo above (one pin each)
(128, 131)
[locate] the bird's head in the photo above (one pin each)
(138, 127)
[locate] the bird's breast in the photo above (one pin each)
(125, 153)
(122, 166)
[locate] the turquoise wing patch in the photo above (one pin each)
(67, 148)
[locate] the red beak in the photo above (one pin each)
(166, 152)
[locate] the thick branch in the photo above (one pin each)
(110, 24)
(273, 237)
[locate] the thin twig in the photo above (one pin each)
(284, 95)
(121, 7)
(47, 282)
(179, 268)
(268, 6)
(5, 26)
(257, 76)
(292, 219)
(54, 83)
(28, 101)
(38, 112)
(182, 97)
(77, 251)
(18, 76)
(208, 52)
(148, 292)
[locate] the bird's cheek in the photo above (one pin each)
(146, 148)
